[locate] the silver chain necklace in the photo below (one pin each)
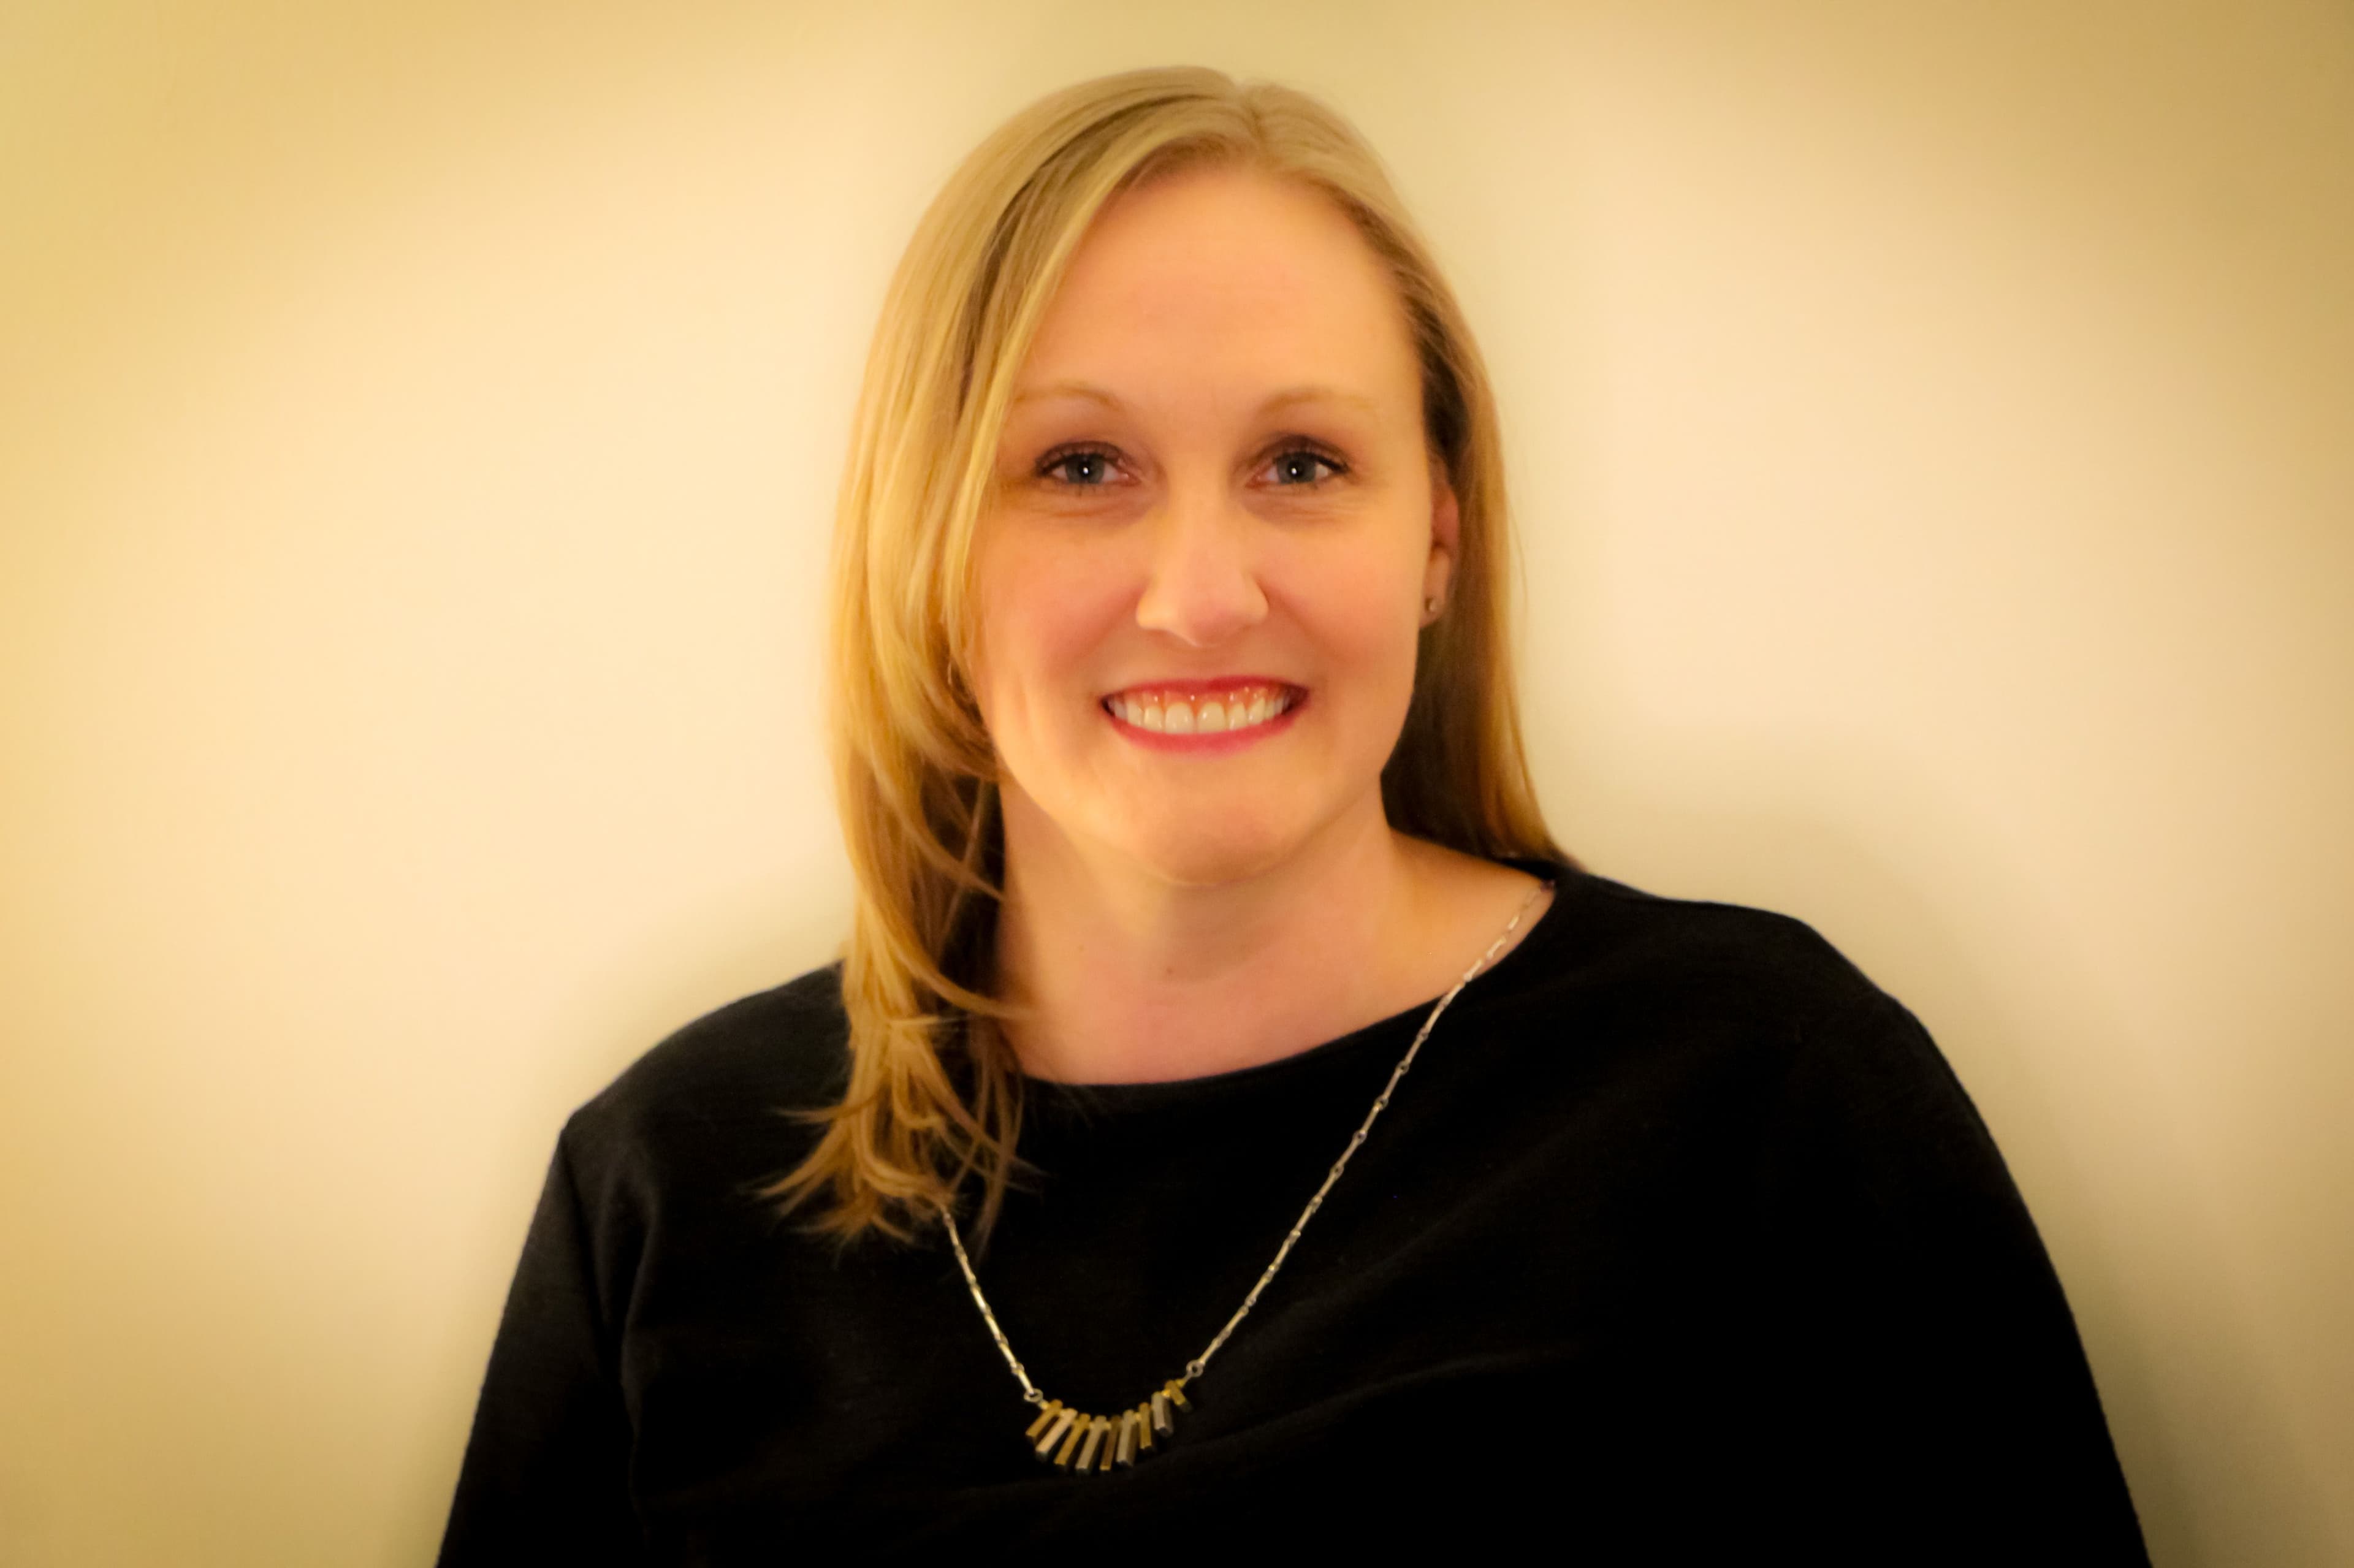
(1072, 1440)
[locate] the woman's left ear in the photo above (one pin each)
(1446, 534)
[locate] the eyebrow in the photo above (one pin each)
(1284, 399)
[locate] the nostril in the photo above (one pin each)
(1200, 615)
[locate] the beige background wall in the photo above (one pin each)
(1934, 433)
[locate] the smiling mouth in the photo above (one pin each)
(1207, 713)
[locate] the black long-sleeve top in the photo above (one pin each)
(1680, 1237)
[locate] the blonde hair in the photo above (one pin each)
(934, 1095)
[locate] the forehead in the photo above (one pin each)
(1222, 278)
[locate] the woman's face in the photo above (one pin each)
(1215, 524)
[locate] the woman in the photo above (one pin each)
(1179, 771)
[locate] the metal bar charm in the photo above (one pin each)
(1096, 1427)
(1128, 1437)
(1073, 1440)
(1072, 1427)
(1058, 1419)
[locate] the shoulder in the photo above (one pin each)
(1761, 1008)
(1750, 1011)
(1745, 1041)
(727, 1081)
(1702, 956)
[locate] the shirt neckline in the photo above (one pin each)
(1392, 1030)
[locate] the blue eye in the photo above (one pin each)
(1084, 468)
(1299, 468)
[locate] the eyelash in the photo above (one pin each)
(1062, 455)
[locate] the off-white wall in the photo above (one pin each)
(1934, 435)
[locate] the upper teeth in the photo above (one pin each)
(1171, 713)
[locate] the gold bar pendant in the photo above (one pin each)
(1073, 1440)
(1070, 1443)
(1062, 1424)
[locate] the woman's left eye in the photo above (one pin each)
(1300, 466)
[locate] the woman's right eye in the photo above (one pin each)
(1082, 468)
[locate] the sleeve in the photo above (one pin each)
(546, 1471)
(1931, 1397)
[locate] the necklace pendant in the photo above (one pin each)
(1070, 1439)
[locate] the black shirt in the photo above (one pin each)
(1680, 1236)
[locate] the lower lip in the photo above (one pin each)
(1216, 743)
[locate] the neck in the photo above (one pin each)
(1123, 975)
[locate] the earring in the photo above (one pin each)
(1430, 604)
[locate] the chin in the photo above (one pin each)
(1209, 853)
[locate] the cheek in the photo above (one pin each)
(1359, 606)
(1043, 611)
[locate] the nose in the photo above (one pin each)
(1201, 583)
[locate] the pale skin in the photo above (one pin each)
(1213, 488)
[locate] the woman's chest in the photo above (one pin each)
(1457, 1284)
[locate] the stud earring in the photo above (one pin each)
(1430, 604)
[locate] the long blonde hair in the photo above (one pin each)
(934, 1095)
